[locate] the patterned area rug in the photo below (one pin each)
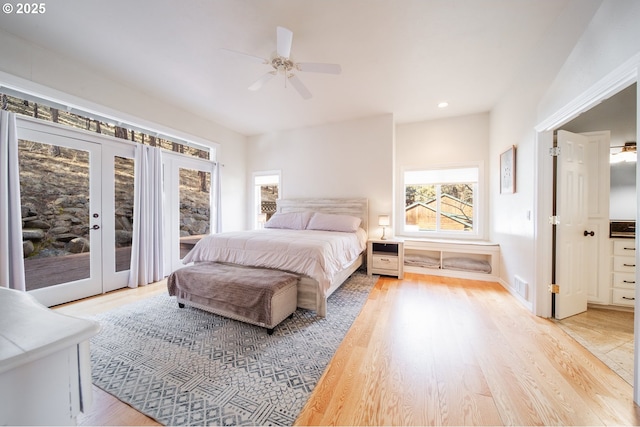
(190, 367)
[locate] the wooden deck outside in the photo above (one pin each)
(50, 271)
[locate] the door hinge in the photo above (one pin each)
(554, 289)
(554, 151)
(554, 220)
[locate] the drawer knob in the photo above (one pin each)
(589, 233)
(629, 265)
(629, 281)
(629, 298)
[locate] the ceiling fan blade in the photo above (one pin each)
(316, 67)
(284, 39)
(262, 80)
(245, 56)
(301, 88)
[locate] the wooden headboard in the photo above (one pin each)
(358, 207)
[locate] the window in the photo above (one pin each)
(266, 191)
(441, 201)
(42, 111)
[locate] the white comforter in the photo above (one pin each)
(317, 254)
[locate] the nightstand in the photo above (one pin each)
(385, 257)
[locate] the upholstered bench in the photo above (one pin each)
(259, 296)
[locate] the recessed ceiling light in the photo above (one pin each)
(443, 105)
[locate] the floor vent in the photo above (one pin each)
(521, 287)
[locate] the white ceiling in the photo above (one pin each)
(401, 57)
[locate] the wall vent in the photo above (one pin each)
(521, 287)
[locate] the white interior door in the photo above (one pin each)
(572, 211)
(598, 251)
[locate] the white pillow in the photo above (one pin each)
(291, 220)
(333, 222)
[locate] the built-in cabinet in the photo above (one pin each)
(623, 272)
(471, 260)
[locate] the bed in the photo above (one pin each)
(317, 239)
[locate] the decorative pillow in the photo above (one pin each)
(290, 220)
(332, 222)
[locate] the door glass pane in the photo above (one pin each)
(54, 187)
(195, 207)
(123, 203)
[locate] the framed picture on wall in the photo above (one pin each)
(508, 171)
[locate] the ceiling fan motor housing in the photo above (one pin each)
(280, 63)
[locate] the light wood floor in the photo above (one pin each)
(430, 350)
(608, 334)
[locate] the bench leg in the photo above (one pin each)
(270, 331)
(181, 305)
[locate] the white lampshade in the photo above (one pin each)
(383, 220)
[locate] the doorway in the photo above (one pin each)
(76, 189)
(606, 328)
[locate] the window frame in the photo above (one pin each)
(479, 204)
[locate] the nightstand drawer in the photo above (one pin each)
(385, 262)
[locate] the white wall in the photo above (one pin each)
(445, 142)
(513, 122)
(612, 37)
(346, 159)
(35, 64)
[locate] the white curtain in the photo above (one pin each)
(147, 249)
(11, 254)
(218, 198)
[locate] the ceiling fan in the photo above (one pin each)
(282, 63)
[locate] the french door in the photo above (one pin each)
(77, 195)
(188, 205)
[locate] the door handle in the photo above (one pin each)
(589, 233)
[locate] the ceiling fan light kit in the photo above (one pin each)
(283, 64)
(627, 154)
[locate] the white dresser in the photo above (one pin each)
(623, 272)
(45, 367)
